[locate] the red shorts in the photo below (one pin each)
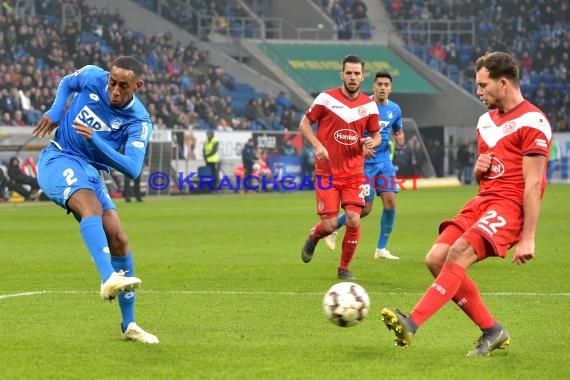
(348, 192)
(492, 225)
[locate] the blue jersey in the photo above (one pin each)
(390, 120)
(126, 129)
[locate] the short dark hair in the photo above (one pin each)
(383, 74)
(499, 64)
(352, 59)
(128, 63)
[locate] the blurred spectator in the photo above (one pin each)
(25, 185)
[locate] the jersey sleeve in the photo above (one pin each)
(373, 122)
(536, 137)
(68, 85)
(131, 162)
(397, 124)
(315, 112)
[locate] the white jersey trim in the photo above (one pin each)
(492, 133)
(343, 111)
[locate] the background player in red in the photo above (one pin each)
(342, 115)
(514, 139)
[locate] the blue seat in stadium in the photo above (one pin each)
(365, 31)
(548, 78)
(535, 78)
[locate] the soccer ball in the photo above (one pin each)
(346, 304)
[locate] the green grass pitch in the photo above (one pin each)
(226, 292)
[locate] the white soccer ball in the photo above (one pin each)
(346, 304)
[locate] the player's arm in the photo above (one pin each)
(306, 128)
(398, 130)
(482, 165)
(370, 143)
(533, 168)
(131, 162)
(68, 85)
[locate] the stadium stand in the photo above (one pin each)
(182, 89)
(537, 32)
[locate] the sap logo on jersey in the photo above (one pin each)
(346, 136)
(497, 169)
(87, 116)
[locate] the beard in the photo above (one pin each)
(350, 91)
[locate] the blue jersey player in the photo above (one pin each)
(105, 126)
(379, 168)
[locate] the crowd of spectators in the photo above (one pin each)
(537, 32)
(350, 17)
(182, 89)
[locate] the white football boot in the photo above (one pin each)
(136, 334)
(330, 240)
(383, 253)
(117, 283)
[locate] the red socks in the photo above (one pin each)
(318, 232)
(443, 289)
(469, 300)
(349, 244)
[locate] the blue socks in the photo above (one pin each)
(126, 299)
(96, 241)
(341, 221)
(386, 226)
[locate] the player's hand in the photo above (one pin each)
(321, 152)
(44, 127)
(483, 163)
(83, 129)
(524, 252)
(368, 147)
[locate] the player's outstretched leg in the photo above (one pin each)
(400, 324)
(136, 334)
(492, 339)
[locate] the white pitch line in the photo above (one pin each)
(224, 292)
(25, 294)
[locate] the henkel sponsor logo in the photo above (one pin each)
(346, 137)
(497, 169)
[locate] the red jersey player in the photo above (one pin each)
(342, 115)
(513, 145)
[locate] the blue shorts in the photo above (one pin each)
(60, 175)
(382, 178)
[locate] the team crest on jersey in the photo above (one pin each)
(497, 169)
(509, 127)
(390, 115)
(94, 97)
(88, 117)
(116, 124)
(346, 137)
(361, 111)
